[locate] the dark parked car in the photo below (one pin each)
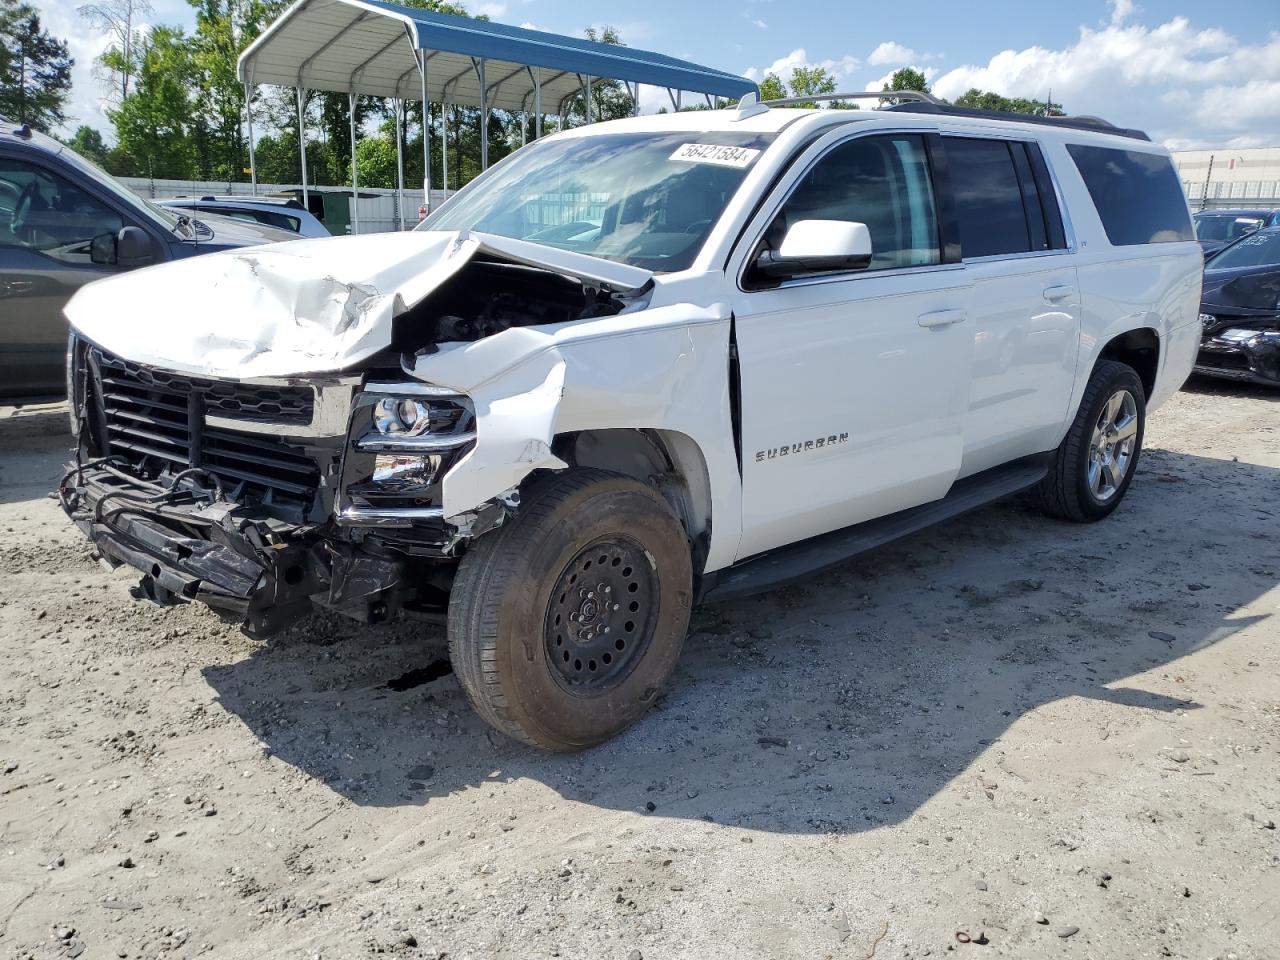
(1240, 310)
(1216, 229)
(64, 222)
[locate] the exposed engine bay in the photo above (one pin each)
(489, 296)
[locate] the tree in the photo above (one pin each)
(771, 87)
(811, 82)
(153, 124)
(908, 78)
(88, 142)
(986, 100)
(119, 20)
(35, 69)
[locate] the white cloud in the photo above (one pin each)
(1180, 82)
(783, 67)
(891, 53)
(1121, 10)
(760, 23)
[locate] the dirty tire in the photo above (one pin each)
(1065, 492)
(510, 587)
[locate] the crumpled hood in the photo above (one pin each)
(307, 306)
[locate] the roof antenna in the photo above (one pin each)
(750, 106)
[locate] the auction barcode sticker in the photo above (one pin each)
(715, 153)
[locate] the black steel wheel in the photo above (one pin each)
(601, 615)
(565, 623)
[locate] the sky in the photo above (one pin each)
(1191, 74)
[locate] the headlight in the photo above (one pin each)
(402, 416)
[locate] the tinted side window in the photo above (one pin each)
(988, 197)
(43, 211)
(1138, 195)
(882, 181)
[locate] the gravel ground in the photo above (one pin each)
(1048, 740)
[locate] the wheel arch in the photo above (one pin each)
(668, 460)
(1138, 348)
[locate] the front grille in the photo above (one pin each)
(157, 421)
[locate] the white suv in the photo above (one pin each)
(633, 367)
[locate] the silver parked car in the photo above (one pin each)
(283, 212)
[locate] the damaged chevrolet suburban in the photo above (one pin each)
(636, 366)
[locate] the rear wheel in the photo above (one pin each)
(1094, 464)
(566, 621)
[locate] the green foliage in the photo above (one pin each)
(986, 100)
(35, 69)
(908, 78)
(771, 88)
(88, 142)
(376, 160)
(154, 124)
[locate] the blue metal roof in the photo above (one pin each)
(366, 46)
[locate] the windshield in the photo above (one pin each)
(1226, 228)
(644, 199)
(1255, 250)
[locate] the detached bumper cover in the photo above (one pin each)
(1241, 354)
(189, 546)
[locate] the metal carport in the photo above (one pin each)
(372, 48)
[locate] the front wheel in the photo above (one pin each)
(566, 621)
(1094, 464)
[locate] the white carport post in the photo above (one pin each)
(484, 114)
(444, 142)
(248, 119)
(398, 104)
(635, 101)
(302, 146)
(588, 98)
(355, 185)
(422, 58)
(537, 102)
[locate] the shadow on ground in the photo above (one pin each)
(840, 705)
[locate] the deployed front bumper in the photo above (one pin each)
(191, 544)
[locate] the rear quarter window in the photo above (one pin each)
(1138, 195)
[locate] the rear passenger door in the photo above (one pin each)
(1025, 308)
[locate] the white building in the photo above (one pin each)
(1230, 177)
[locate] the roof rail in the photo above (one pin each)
(1094, 124)
(918, 101)
(918, 95)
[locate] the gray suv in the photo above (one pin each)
(64, 222)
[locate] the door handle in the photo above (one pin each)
(1059, 292)
(942, 318)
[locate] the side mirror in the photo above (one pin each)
(818, 246)
(134, 248)
(102, 249)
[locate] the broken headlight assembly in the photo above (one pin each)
(401, 445)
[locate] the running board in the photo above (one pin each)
(797, 561)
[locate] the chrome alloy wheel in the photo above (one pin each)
(1112, 446)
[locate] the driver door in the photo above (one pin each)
(46, 225)
(853, 384)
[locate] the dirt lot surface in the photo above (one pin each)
(1003, 721)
